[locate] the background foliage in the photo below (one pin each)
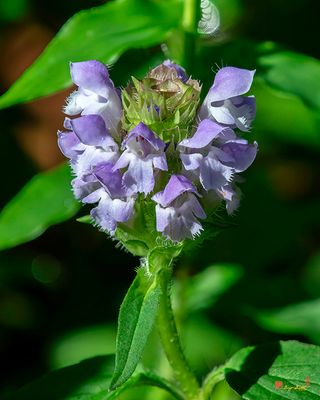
(60, 293)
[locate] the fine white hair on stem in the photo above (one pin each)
(210, 18)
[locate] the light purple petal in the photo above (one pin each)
(92, 131)
(163, 217)
(177, 185)
(110, 109)
(213, 174)
(224, 114)
(122, 210)
(196, 207)
(110, 178)
(207, 130)
(139, 176)
(82, 189)
(160, 162)
(124, 160)
(91, 75)
(95, 196)
(142, 131)
(245, 112)
(242, 154)
(69, 144)
(191, 161)
(230, 82)
(102, 217)
(91, 158)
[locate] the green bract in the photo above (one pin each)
(163, 102)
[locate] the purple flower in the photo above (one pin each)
(225, 103)
(214, 154)
(143, 153)
(177, 209)
(87, 144)
(151, 117)
(115, 202)
(96, 94)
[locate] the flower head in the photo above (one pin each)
(152, 159)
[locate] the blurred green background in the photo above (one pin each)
(257, 281)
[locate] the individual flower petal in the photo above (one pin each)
(92, 157)
(139, 176)
(207, 131)
(177, 208)
(177, 185)
(242, 155)
(91, 130)
(91, 75)
(191, 161)
(213, 174)
(230, 82)
(143, 139)
(70, 144)
(225, 103)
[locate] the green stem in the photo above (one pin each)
(171, 343)
(214, 377)
(190, 19)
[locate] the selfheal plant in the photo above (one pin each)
(152, 146)
(155, 163)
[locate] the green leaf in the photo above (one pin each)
(204, 289)
(146, 379)
(85, 219)
(276, 371)
(136, 319)
(44, 201)
(294, 73)
(297, 123)
(88, 380)
(102, 33)
(302, 319)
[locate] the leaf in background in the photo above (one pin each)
(301, 319)
(82, 344)
(102, 33)
(136, 319)
(283, 116)
(203, 289)
(13, 9)
(255, 372)
(206, 344)
(88, 380)
(294, 73)
(45, 200)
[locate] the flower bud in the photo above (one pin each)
(166, 100)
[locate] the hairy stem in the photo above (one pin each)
(171, 342)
